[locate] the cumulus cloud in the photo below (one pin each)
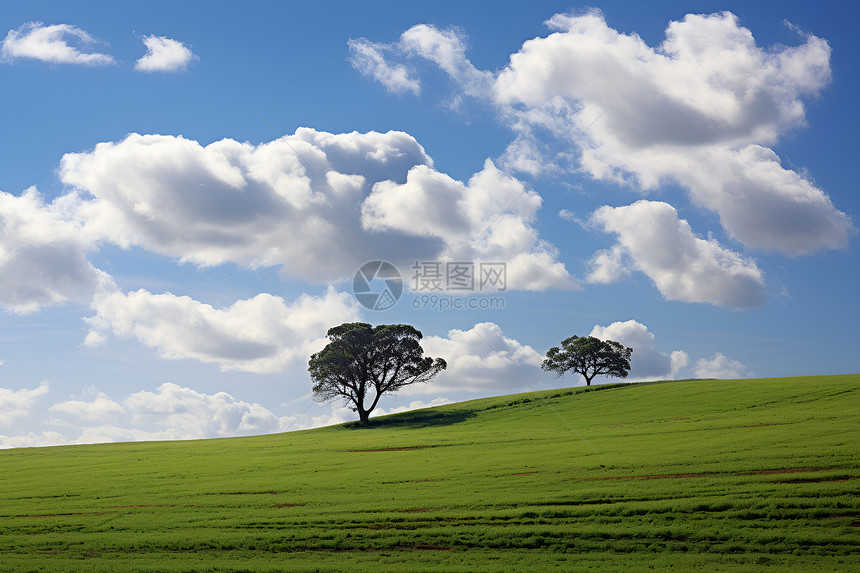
(100, 408)
(609, 265)
(701, 110)
(654, 240)
(646, 363)
(762, 204)
(16, 404)
(317, 204)
(482, 359)
(367, 57)
(721, 366)
(293, 201)
(707, 83)
(164, 55)
(485, 219)
(43, 255)
(55, 44)
(525, 154)
(171, 412)
(261, 334)
(190, 413)
(32, 440)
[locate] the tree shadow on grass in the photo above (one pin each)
(414, 419)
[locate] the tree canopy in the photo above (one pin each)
(362, 362)
(590, 357)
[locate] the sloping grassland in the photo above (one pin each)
(745, 475)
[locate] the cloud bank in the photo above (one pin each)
(169, 412)
(316, 204)
(702, 110)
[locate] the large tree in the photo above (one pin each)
(363, 362)
(590, 357)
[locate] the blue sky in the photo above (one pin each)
(188, 191)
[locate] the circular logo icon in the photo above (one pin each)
(377, 285)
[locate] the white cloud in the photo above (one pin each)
(32, 440)
(174, 412)
(646, 363)
(762, 204)
(42, 255)
(368, 58)
(56, 44)
(94, 339)
(481, 359)
(171, 412)
(707, 101)
(191, 414)
(315, 203)
(485, 219)
(702, 110)
(164, 55)
(609, 265)
(683, 266)
(16, 404)
(261, 334)
(108, 433)
(721, 366)
(294, 201)
(447, 49)
(707, 83)
(339, 414)
(98, 409)
(526, 155)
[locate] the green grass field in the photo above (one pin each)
(708, 475)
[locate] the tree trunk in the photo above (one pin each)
(363, 416)
(588, 379)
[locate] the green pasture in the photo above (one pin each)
(708, 475)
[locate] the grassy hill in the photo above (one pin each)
(744, 475)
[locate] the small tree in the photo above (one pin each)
(590, 357)
(362, 362)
